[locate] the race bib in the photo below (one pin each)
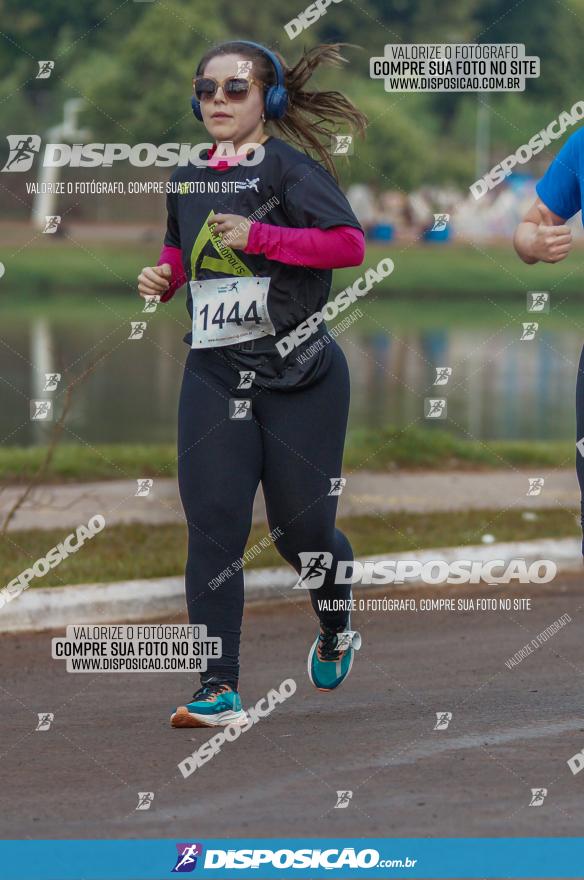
(230, 310)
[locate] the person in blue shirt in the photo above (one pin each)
(543, 235)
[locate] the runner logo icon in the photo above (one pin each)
(443, 719)
(314, 568)
(443, 374)
(247, 184)
(538, 796)
(45, 720)
(45, 69)
(23, 148)
(188, 854)
(337, 485)
(145, 799)
(343, 799)
(440, 222)
(246, 378)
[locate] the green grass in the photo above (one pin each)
(366, 449)
(74, 463)
(127, 552)
(457, 270)
(413, 448)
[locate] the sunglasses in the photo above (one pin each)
(235, 88)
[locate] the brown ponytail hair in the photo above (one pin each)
(311, 115)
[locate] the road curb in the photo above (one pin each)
(41, 608)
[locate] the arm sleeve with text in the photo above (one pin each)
(559, 188)
(311, 198)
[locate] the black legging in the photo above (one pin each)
(580, 436)
(294, 444)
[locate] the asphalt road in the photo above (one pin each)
(511, 730)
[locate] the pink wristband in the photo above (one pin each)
(173, 256)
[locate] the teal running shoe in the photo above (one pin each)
(213, 705)
(331, 657)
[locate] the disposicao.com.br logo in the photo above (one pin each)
(24, 148)
(186, 860)
(329, 859)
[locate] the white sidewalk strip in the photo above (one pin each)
(66, 505)
(128, 601)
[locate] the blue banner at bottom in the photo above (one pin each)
(269, 858)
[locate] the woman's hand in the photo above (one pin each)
(154, 280)
(543, 236)
(233, 229)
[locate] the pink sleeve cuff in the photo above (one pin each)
(173, 256)
(334, 248)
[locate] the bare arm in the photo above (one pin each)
(542, 235)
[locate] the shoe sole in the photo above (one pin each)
(183, 718)
(309, 666)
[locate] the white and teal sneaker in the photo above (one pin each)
(331, 657)
(213, 705)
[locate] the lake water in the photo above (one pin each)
(500, 387)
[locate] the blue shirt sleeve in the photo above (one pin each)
(559, 188)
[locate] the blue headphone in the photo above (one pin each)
(275, 97)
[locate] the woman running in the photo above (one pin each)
(543, 235)
(248, 413)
